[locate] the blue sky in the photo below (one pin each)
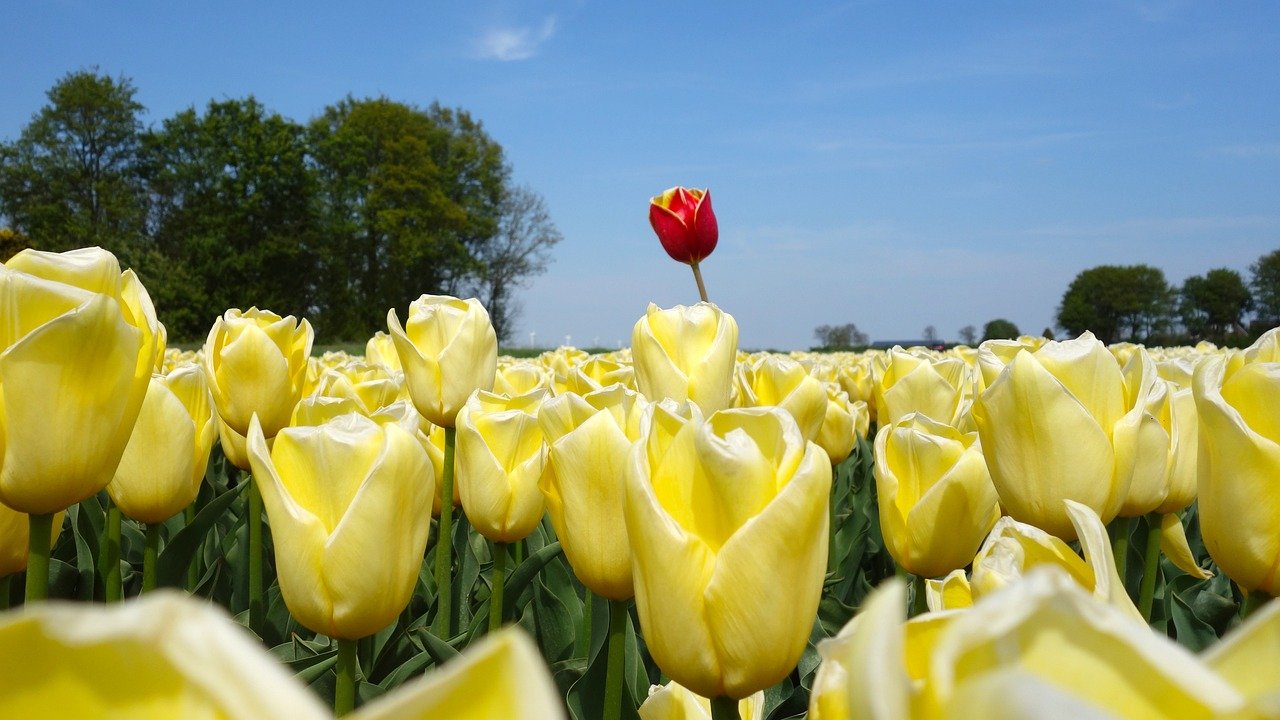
(882, 163)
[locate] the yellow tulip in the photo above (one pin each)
(596, 373)
(448, 350)
(686, 353)
(774, 380)
(77, 350)
(1063, 423)
(1043, 647)
(502, 677)
(728, 523)
(15, 535)
(920, 382)
(165, 461)
(347, 502)
(673, 702)
(370, 385)
(256, 364)
(1245, 655)
(858, 380)
(499, 462)
(518, 378)
(936, 499)
(381, 350)
(840, 424)
(157, 657)
(1240, 461)
(588, 440)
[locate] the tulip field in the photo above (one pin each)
(676, 530)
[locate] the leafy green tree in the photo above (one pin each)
(1213, 305)
(70, 178)
(1265, 283)
(1000, 329)
(840, 337)
(407, 198)
(1118, 302)
(234, 215)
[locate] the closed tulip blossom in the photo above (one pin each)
(686, 227)
(728, 523)
(686, 353)
(448, 350)
(774, 380)
(500, 460)
(348, 502)
(919, 382)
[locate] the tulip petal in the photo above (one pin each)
(950, 593)
(1245, 656)
(1096, 544)
(1173, 543)
(153, 480)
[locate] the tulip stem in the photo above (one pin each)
(4, 592)
(256, 606)
(616, 660)
(1252, 602)
(1151, 567)
(582, 648)
(724, 708)
(697, 276)
(1121, 529)
(495, 598)
(40, 527)
(150, 553)
(344, 694)
(919, 596)
(443, 626)
(113, 586)
(189, 515)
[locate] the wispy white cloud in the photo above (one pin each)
(515, 43)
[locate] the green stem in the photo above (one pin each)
(193, 576)
(1252, 602)
(150, 553)
(1120, 531)
(344, 694)
(113, 584)
(256, 605)
(495, 599)
(616, 660)
(919, 598)
(5, 586)
(1150, 568)
(724, 708)
(697, 276)
(582, 648)
(443, 625)
(40, 527)
(831, 529)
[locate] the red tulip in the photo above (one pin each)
(685, 224)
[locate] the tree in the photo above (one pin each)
(70, 178)
(838, 337)
(1000, 329)
(520, 250)
(1265, 283)
(1213, 306)
(968, 334)
(1117, 302)
(930, 334)
(12, 242)
(233, 218)
(408, 196)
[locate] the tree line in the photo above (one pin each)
(1136, 303)
(363, 208)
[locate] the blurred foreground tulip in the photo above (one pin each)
(1062, 423)
(161, 657)
(936, 499)
(348, 503)
(686, 353)
(728, 523)
(673, 702)
(1239, 414)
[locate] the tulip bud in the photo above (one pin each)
(919, 382)
(936, 499)
(256, 364)
(686, 353)
(347, 502)
(499, 462)
(589, 439)
(1240, 460)
(673, 702)
(76, 355)
(165, 461)
(448, 350)
(774, 380)
(841, 424)
(685, 224)
(728, 522)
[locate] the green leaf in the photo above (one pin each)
(171, 567)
